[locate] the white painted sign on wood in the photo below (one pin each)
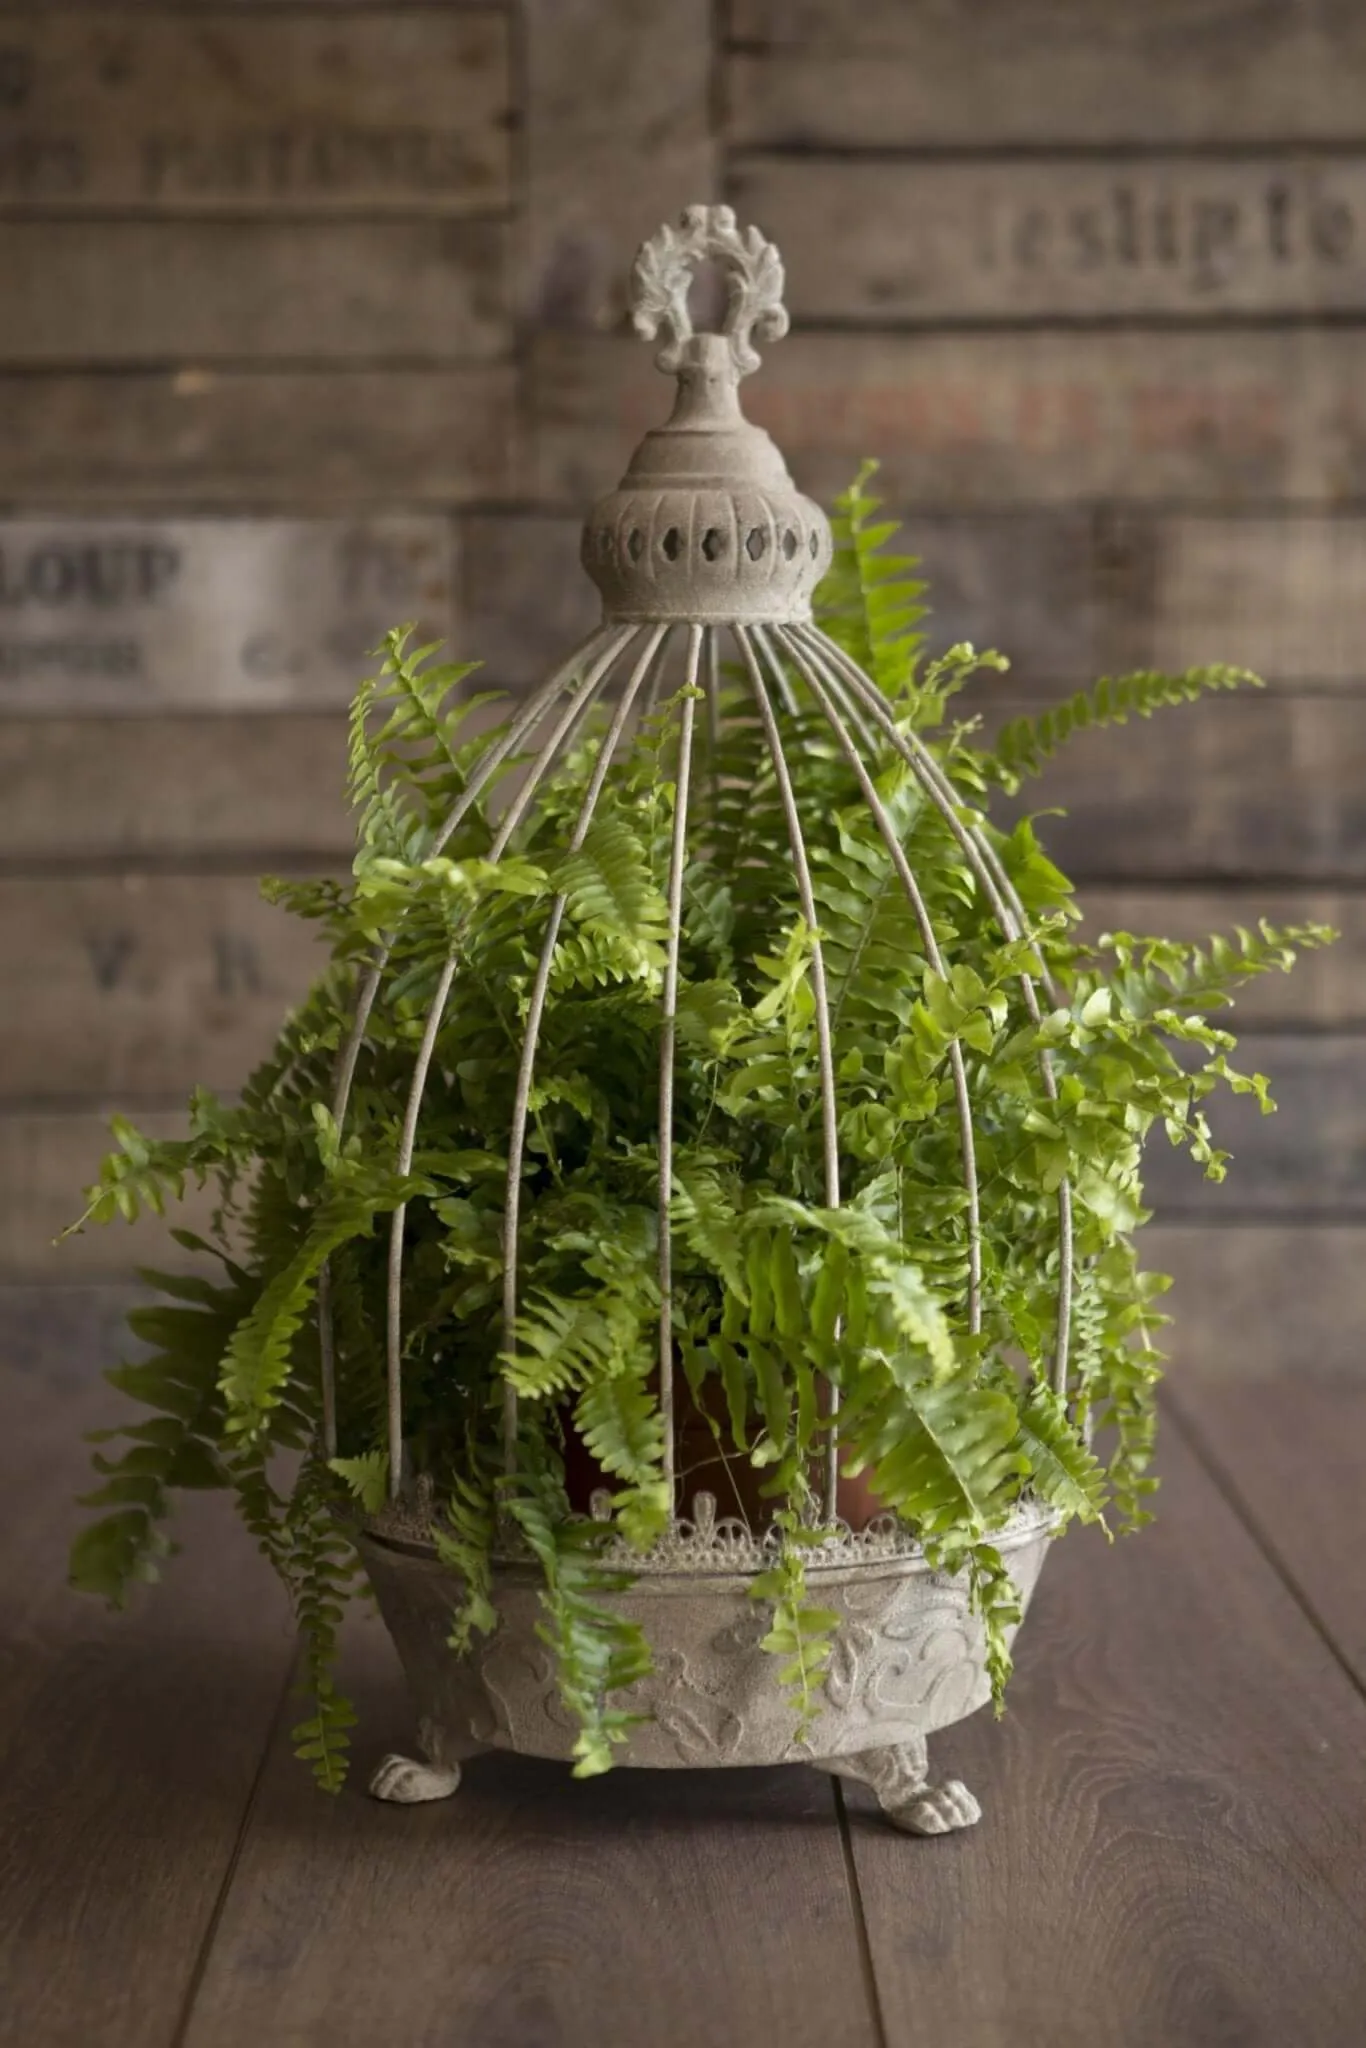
(101, 615)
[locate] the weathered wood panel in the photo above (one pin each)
(1308, 1160)
(1170, 1848)
(1290, 592)
(1254, 1301)
(1073, 594)
(67, 1334)
(1326, 989)
(987, 420)
(1293, 1452)
(390, 110)
(209, 614)
(618, 139)
(1017, 239)
(524, 599)
(46, 1161)
(253, 790)
(888, 75)
(131, 1741)
(142, 985)
(266, 438)
(1235, 788)
(128, 291)
(604, 1912)
(1231, 788)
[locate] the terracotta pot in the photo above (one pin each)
(734, 1483)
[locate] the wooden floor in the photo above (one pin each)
(1173, 1851)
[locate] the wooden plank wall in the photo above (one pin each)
(312, 318)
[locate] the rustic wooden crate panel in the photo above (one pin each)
(395, 109)
(122, 986)
(352, 438)
(1284, 596)
(618, 138)
(1307, 1160)
(524, 598)
(1231, 788)
(1014, 238)
(65, 1333)
(1255, 1301)
(1224, 790)
(130, 291)
(252, 790)
(994, 420)
(46, 1159)
(1326, 990)
(1046, 72)
(1070, 595)
(209, 614)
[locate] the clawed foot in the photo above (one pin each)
(936, 1810)
(405, 1782)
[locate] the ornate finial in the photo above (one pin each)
(664, 269)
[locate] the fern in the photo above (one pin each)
(801, 1633)
(777, 1293)
(597, 1652)
(323, 1566)
(1025, 746)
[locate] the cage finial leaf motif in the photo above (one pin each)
(664, 270)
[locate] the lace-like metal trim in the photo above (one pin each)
(705, 1543)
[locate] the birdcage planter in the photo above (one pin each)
(878, 1332)
(706, 549)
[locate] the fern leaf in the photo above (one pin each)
(1061, 1468)
(1025, 746)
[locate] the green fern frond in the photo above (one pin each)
(1025, 746)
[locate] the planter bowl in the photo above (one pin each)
(907, 1659)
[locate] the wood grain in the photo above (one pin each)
(357, 438)
(1073, 593)
(1044, 71)
(618, 138)
(1292, 1453)
(66, 1333)
(1170, 1849)
(386, 110)
(524, 600)
(1232, 788)
(1254, 1300)
(254, 790)
(220, 291)
(621, 1911)
(1108, 238)
(1256, 418)
(210, 614)
(131, 1742)
(142, 986)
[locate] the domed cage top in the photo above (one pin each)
(705, 545)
